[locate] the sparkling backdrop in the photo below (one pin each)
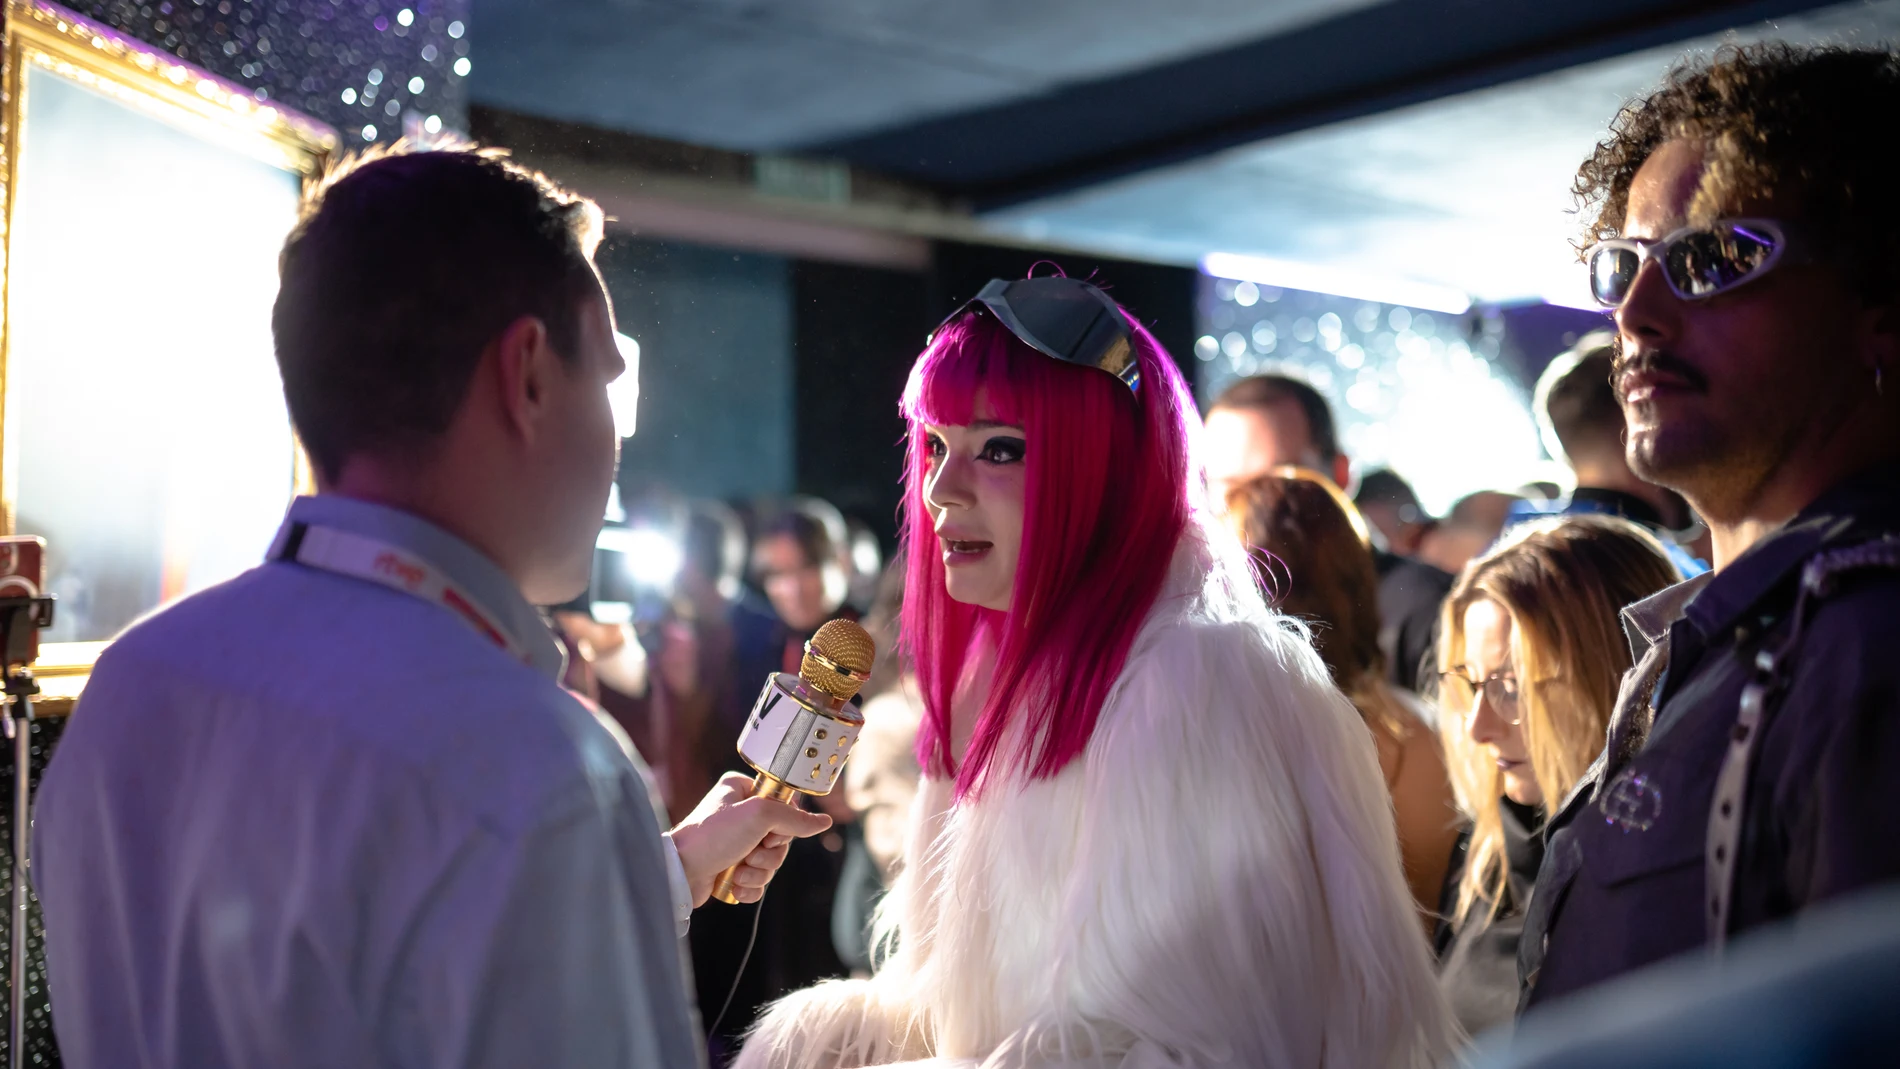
(1435, 397)
(374, 70)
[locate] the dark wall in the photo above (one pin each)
(856, 332)
(1162, 297)
(715, 334)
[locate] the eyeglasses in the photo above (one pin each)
(1065, 318)
(1500, 690)
(1697, 262)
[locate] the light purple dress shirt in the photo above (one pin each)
(302, 819)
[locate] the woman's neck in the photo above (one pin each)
(972, 693)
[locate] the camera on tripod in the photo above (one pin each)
(25, 608)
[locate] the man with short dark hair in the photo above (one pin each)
(1582, 425)
(1749, 239)
(1263, 422)
(1392, 507)
(338, 811)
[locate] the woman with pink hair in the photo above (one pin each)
(1150, 831)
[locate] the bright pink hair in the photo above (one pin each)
(1109, 492)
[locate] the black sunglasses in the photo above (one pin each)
(1065, 318)
(1696, 262)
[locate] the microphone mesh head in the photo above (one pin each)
(838, 659)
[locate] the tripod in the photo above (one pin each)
(20, 620)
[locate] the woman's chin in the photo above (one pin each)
(983, 596)
(1522, 790)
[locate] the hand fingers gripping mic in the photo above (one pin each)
(802, 727)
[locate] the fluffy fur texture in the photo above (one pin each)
(1214, 881)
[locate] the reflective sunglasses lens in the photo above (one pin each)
(1612, 272)
(1706, 263)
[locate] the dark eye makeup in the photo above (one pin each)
(1003, 449)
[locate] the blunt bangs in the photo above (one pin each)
(974, 355)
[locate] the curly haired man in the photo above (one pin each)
(1747, 236)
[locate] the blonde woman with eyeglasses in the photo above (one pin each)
(1530, 655)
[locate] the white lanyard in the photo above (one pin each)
(362, 557)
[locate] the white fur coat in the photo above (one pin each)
(1215, 881)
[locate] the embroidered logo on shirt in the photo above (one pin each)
(1632, 803)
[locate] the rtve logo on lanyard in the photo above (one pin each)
(361, 557)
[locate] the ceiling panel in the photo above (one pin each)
(1470, 191)
(762, 75)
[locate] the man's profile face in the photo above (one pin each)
(1718, 393)
(584, 449)
(1242, 444)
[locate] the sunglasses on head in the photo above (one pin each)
(1697, 262)
(1065, 318)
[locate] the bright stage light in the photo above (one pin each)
(624, 392)
(650, 558)
(1315, 278)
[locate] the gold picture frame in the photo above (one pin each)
(44, 39)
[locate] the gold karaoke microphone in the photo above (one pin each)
(803, 726)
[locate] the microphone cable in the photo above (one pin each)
(758, 908)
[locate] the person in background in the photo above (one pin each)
(863, 558)
(1314, 559)
(797, 564)
(1391, 506)
(1264, 422)
(1528, 669)
(1749, 242)
(796, 561)
(1582, 425)
(1472, 526)
(880, 780)
(338, 810)
(674, 711)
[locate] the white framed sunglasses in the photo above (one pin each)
(1697, 262)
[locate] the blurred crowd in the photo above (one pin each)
(676, 655)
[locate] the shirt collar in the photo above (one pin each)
(1646, 622)
(1858, 508)
(462, 563)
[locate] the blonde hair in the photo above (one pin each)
(1563, 583)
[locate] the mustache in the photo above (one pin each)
(1661, 361)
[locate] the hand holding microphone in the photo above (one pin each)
(802, 727)
(739, 835)
(731, 831)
